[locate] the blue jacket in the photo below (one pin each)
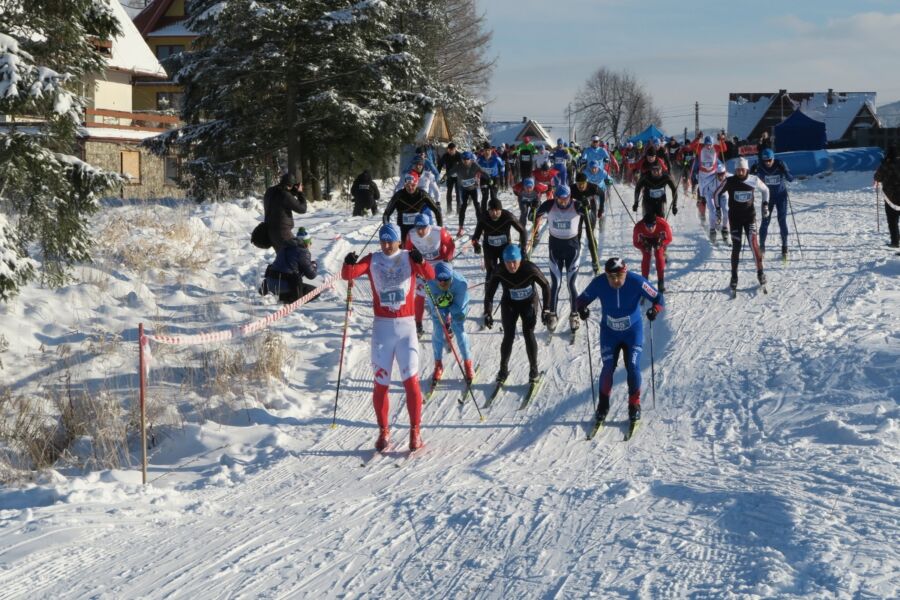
(428, 165)
(493, 165)
(291, 265)
(775, 178)
(599, 154)
(617, 305)
(560, 158)
(598, 179)
(457, 296)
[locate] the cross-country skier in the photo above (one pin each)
(451, 295)
(526, 153)
(496, 226)
(706, 164)
(548, 177)
(598, 176)
(587, 194)
(888, 175)
(560, 159)
(741, 189)
(542, 156)
(529, 194)
(596, 152)
(468, 174)
(518, 278)
(651, 188)
(565, 222)
(436, 246)
(450, 161)
(409, 202)
(775, 175)
(651, 236)
(721, 203)
(492, 171)
(392, 274)
(621, 328)
(425, 180)
(421, 154)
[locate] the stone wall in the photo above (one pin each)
(107, 155)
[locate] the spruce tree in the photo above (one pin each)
(47, 49)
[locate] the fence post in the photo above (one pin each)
(143, 385)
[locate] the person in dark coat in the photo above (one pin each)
(365, 194)
(292, 263)
(888, 175)
(279, 203)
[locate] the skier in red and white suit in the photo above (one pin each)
(651, 236)
(436, 246)
(391, 274)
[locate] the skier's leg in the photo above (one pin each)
(494, 188)
(736, 244)
(420, 300)
(572, 264)
(382, 349)
(508, 317)
(529, 322)
(485, 195)
(764, 230)
(406, 350)
(645, 263)
(631, 345)
(781, 205)
(660, 265)
(750, 230)
(555, 276)
(893, 222)
(437, 336)
(608, 355)
(457, 324)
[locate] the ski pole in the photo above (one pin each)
(877, 207)
(343, 346)
(796, 231)
(593, 245)
(587, 334)
(452, 347)
(616, 190)
(652, 367)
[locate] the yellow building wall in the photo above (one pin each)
(114, 92)
(145, 95)
(176, 10)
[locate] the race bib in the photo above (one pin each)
(444, 299)
(562, 225)
(496, 240)
(743, 196)
(620, 324)
(525, 158)
(364, 186)
(772, 179)
(410, 218)
(388, 297)
(521, 293)
(431, 255)
(658, 193)
(468, 183)
(707, 164)
(559, 160)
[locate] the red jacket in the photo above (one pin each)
(408, 308)
(545, 177)
(445, 250)
(539, 188)
(643, 167)
(660, 236)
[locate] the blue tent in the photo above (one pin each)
(800, 132)
(647, 135)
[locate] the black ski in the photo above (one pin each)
(632, 428)
(469, 384)
(497, 389)
(434, 385)
(595, 429)
(533, 387)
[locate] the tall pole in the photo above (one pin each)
(142, 379)
(569, 116)
(696, 119)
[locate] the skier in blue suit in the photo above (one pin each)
(621, 328)
(775, 175)
(560, 158)
(595, 152)
(451, 295)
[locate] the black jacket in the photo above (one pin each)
(364, 189)
(450, 162)
(888, 174)
(410, 204)
(279, 203)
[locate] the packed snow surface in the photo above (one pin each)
(766, 465)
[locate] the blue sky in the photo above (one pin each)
(688, 51)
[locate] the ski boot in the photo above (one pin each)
(502, 374)
(602, 408)
(415, 439)
(725, 237)
(461, 232)
(533, 376)
(438, 372)
(468, 371)
(661, 286)
(712, 237)
(384, 438)
(784, 253)
(634, 412)
(552, 321)
(761, 276)
(733, 284)
(574, 322)
(420, 329)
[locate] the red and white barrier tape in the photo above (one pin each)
(247, 329)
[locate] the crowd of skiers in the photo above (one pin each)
(567, 189)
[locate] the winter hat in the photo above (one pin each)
(468, 155)
(288, 179)
(409, 177)
(741, 163)
(708, 140)
(594, 164)
(615, 265)
(389, 232)
(451, 145)
(580, 178)
(595, 138)
(528, 182)
(651, 153)
(650, 219)
(303, 236)
(443, 271)
(721, 168)
(427, 212)
(494, 204)
(559, 141)
(563, 191)
(768, 154)
(422, 220)
(511, 253)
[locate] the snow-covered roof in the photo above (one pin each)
(173, 30)
(744, 114)
(129, 51)
(838, 115)
(115, 134)
(132, 7)
(511, 132)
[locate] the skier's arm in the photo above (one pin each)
(357, 270)
(786, 172)
(449, 246)
(589, 294)
(479, 229)
(638, 188)
(460, 299)
(543, 209)
(667, 233)
(297, 203)
(671, 184)
(389, 209)
(652, 294)
(763, 193)
(408, 244)
(434, 208)
(636, 238)
(423, 270)
(518, 227)
(542, 283)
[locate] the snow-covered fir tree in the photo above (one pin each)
(47, 48)
(303, 78)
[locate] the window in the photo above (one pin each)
(172, 165)
(130, 167)
(165, 51)
(169, 100)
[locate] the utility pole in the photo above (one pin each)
(696, 118)
(569, 117)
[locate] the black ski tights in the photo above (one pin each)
(510, 313)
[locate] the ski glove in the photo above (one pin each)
(488, 320)
(608, 181)
(765, 211)
(476, 246)
(634, 207)
(584, 313)
(651, 313)
(416, 256)
(545, 316)
(674, 209)
(351, 258)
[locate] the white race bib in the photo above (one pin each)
(521, 293)
(364, 186)
(562, 225)
(658, 193)
(468, 183)
(392, 279)
(620, 324)
(496, 240)
(410, 218)
(743, 196)
(772, 179)
(525, 158)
